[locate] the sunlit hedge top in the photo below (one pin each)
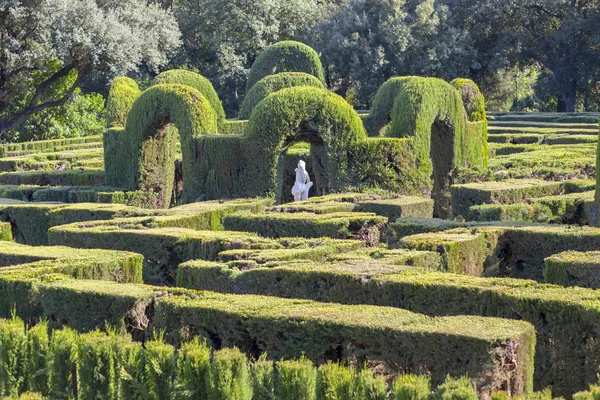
(197, 81)
(121, 96)
(472, 98)
(273, 83)
(286, 56)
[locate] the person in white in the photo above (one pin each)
(303, 183)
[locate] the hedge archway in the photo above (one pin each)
(429, 111)
(148, 142)
(300, 114)
(286, 56)
(197, 81)
(273, 83)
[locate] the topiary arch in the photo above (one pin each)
(286, 56)
(197, 81)
(273, 83)
(430, 112)
(310, 114)
(147, 145)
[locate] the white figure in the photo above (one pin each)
(303, 183)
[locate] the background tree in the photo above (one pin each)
(48, 48)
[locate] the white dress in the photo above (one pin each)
(302, 185)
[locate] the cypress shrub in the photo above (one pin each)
(296, 380)
(500, 396)
(261, 376)
(13, 356)
(38, 352)
(229, 377)
(61, 364)
(285, 56)
(369, 387)
(472, 98)
(335, 382)
(160, 369)
(96, 366)
(456, 389)
(129, 365)
(411, 387)
(193, 364)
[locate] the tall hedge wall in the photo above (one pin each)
(273, 83)
(197, 81)
(286, 56)
(122, 94)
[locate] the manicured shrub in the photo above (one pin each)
(197, 81)
(193, 366)
(286, 56)
(96, 373)
(160, 368)
(122, 94)
(263, 379)
(62, 363)
(13, 357)
(296, 380)
(229, 376)
(272, 83)
(456, 389)
(37, 359)
(411, 387)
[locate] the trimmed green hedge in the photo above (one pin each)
(143, 153)
(123, 92)
(290, 114)
(392, 209)
(505, 192)
(309, 225)
(431, 113)
(272, 83)
(286, 56)
(54, 178)
(566, 320)
(197, 81)
(572, 268)
(472, 97)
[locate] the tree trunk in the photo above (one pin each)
(569, 94)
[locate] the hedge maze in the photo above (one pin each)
(445, 252)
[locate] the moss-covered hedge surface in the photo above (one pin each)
(272, 83)
(286, 56)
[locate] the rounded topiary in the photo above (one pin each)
(273, 83)
(286, 56)
(148, 145)
(122, 94)
(299, 113)
(197, 81)
(472, 97)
